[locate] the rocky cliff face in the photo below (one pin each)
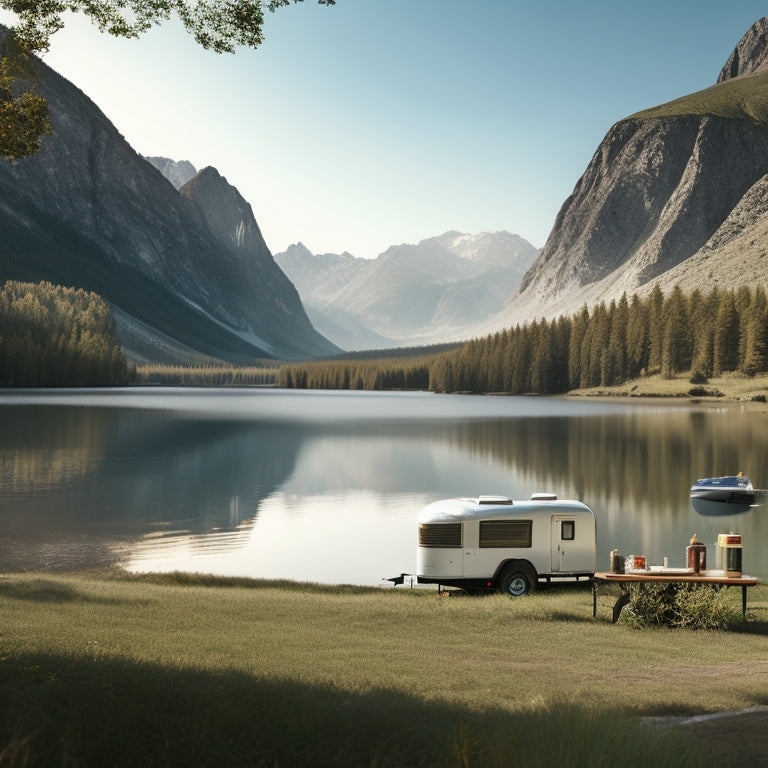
(228, 215)
(665, 186)
(431, 292)
(750, 55)
(88, 211)
(177, 172)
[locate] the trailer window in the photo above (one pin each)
(567, 530)
(505, 533)
(440, 535)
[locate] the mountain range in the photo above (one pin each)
(187, 273)
(676, 194)
(431, 292)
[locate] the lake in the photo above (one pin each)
(326, 486)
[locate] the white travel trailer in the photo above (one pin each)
(494, 543)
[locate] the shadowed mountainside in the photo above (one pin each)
(87, 211)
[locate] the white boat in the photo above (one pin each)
(730, 489)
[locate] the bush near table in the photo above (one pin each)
(681, 606)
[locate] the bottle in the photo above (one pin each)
(696, 555)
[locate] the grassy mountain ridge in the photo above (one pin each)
(674, 194)
(742, 98)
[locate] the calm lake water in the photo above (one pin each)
(326, 486)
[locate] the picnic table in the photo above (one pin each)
(671, 575)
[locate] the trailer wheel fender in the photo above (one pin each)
(517, 578)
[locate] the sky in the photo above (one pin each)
(379, 122)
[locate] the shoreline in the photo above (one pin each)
(731, 389)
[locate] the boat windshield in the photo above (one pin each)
(734, 481)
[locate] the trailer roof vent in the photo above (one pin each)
(543, 497)
(494, 500)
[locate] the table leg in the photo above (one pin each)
(620, 603)
(594, 598)
(743, 601)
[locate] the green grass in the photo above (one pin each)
(744, 98)
(109, 669)
(731, 386)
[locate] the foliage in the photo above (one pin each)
(607, 345)
(57, 337)
(681, 606)
(206, 376)
(391, 373)
(697, 377)
(24, 116)
(217, 25)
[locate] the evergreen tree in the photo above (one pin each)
(676, 344)
(615, 368)
(560, 331)
(594, 348)
(702, 315)
(54, 336)
(743, 299)
(655, 329)
(579, 327)
(756, 335)
(637, 337)
(522, 362)
(541, 379)
(726, 337)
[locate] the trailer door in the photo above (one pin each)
(563, 542)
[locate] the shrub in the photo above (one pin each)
(704, 392)
(698, 377)
(682, 606)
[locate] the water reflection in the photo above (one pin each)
(323, 538)
(326, 486)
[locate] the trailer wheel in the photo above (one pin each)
(517, 581)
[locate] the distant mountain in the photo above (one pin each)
(177, 172)
(187, 273)
(427, 293)
(677, 193)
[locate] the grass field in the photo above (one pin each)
(111, 669)
(729, 387)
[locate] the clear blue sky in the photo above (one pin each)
(378, 122)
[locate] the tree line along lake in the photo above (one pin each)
(326, 486)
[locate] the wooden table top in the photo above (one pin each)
(705, 577)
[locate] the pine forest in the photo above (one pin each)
(62, 337)
(706, 334)
(58, 337)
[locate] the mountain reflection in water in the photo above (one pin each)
(327, 486)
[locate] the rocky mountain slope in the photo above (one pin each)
(427, 293)
(187, 273)
(673, 194)
(177, 172)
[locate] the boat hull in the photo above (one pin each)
(728, 495)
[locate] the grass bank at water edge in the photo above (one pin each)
(111, 669)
